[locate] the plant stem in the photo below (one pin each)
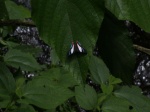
(16, 23)
(142, 49)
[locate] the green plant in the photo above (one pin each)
(63, 86)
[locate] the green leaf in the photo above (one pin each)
(15, 11)
(101, 98)
(116, 48)
(86, 97)
(4, 103)
(11, 44)
(7, 86)
(7, 81)
(25, 108)
(20, 81)
(113, 80)
(35, 51)
(3, 10)
(78, 66)
(62, 21)
(45, 97)
(107, 89)
(25, 61)
(114, 104)
(99, 70)
(56, 77)
(133, 10)
(54, 58)
(133, 95)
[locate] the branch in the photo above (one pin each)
(16, 23)
(142, 49)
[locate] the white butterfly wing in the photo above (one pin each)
(79, 48)
(71, 51)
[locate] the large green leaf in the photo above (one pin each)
(15, 11)
(62, 21)
(133, 95)
(44, 96)
(7, 81)
(99, 70)
(86, 97)
(25, 61)
(78, 66)
(137, 11)
(116, 49)
(114, 104)
(56, 77)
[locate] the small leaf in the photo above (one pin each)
(15, 11)
(86, 97)
(133, 95)
(114, 104)
(99, 70)
(20, 81)
(113, 80)
(107, 89)
(25, 61)
(101, 98)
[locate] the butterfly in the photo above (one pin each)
(76, 48)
